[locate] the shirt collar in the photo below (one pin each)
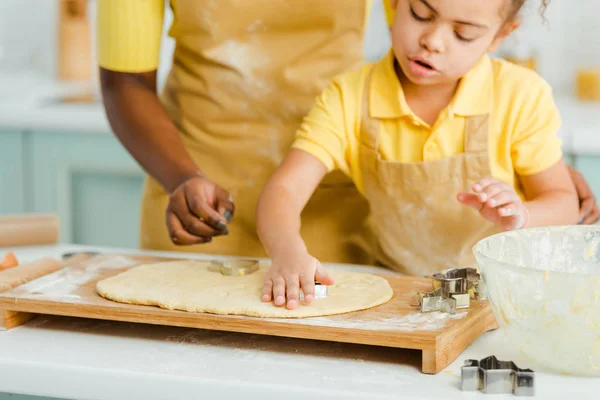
(473, 95)
(386, 95)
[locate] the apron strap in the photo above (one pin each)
(476, 133)
(369, 127)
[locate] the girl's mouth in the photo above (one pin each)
(422, 68)
(424, 64)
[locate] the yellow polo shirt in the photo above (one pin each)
(390, 13)
(523, 128)
(129, 33)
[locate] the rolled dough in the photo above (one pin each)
(190, 286)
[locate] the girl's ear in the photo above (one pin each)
(504, 32)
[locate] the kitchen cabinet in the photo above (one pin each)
(13, 173)
(92, 183)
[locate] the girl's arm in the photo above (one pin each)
(278, 224)
(551, 197)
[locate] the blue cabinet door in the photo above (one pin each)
(92, 183)
(13, 173)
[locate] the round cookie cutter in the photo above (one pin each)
(234, 267)
(244, 267)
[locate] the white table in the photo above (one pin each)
(94, 359)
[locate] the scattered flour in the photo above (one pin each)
(412, 322)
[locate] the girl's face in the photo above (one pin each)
(437, 42)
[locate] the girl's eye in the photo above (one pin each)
(417, 17)
(462, 38)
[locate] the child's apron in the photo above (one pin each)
(419, 225)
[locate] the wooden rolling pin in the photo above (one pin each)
(20, 275)
(28, 229)
(74, 43)
(13, 277)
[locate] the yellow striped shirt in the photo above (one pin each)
(129, 33)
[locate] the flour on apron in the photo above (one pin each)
(420, 226)
(244, 76)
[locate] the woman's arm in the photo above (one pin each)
(197, 205)
(588, 207)
(143, 126)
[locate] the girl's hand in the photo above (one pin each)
(288, 275)
(497, 202)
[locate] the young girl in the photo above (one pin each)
(447, 145)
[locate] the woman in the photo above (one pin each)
(244, 75)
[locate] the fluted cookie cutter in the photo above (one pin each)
(320, 291)
(492, 376)
(234, 267)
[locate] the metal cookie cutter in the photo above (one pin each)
(452, 290)
(434, 301)
(460, 281)
(234, 267)
(320, 291)
(66, 256)
(492, 376)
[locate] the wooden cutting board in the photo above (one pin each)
(70, 291)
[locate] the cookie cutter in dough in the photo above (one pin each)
(234, 267)
(492, 376)
(320, 291)
(452, 290)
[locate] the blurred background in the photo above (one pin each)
(59, 155)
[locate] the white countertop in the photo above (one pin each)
(26, 104)
(93, 359)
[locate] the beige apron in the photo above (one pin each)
(420, 226)
(244, 75)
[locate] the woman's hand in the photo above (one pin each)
(198, 210)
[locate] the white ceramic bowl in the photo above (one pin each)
(544, 288)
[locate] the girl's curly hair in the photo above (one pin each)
(516, 5)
